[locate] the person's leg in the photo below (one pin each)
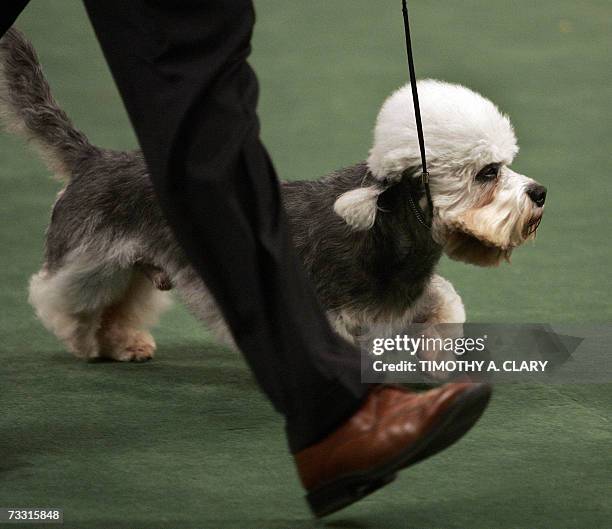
(182, 72)
(9, 12)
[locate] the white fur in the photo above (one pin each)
(97, 310)
(358, 207)
(460, 127)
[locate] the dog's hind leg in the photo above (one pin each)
(99, 310)
(70, 301)
(123, 333)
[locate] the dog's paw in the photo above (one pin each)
(129, 345)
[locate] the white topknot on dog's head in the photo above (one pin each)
(482, 209)
(460, 127)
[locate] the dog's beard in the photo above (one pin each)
(462, 246)
(487, 236)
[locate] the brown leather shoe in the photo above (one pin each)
(393, 429)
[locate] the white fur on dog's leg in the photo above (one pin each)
(123, 335)
(50, 295)
(446, 304)
(443, 314)
(342, 324)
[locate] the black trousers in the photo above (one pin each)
(181, 68)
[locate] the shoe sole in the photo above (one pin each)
(454, 423)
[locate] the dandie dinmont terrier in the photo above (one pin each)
(362, 232)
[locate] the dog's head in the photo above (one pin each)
(482, 209)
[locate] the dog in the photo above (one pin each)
(361, 232)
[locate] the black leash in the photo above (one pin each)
(417, 116)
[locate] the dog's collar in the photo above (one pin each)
(414, 196)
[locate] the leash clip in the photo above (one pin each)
(425, 177)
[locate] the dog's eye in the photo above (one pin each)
(488, 173)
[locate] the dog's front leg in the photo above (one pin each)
(440, 304)
(442, 314)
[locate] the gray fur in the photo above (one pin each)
(383, 269)
(30, 108)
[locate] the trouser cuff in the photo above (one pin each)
(329, 412)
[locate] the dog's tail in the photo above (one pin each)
(28, 108)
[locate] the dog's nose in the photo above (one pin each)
(537, 193)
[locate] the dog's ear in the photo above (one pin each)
(358, 207)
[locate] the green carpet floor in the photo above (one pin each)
(187, 441)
